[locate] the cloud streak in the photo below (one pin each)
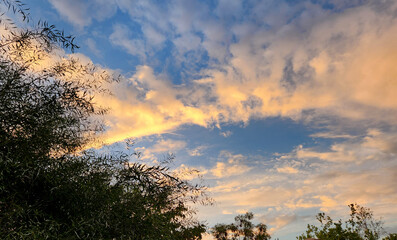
(292, 184)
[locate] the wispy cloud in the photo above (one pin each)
(160, 148)
(91, 44)
(226, 134)
(287, 169)
(198, 151)
(323, 183)
(121, 37)
(231, 165)
(81, 13)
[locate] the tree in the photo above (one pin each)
(49, 187)
(243, 228)
(362, 221)
(391, 236)
(361, 225)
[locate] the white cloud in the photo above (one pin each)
(73, 10)
(81, 13)
(121, 36)
(187, 42)
(153, 36)
(197, 151)
(93, 47)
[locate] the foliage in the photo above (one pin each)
(43, 33)
(94, 197)
(49, 187)
(243, 228)
(361, 225)
(391, 236)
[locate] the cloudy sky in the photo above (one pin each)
(287, 107)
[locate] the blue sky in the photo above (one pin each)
(287, 108)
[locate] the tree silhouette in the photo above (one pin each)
(49, 187)
(360, 226)
(242, 228)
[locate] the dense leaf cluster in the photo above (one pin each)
(92, 197)
(242, 228)
(361, 226)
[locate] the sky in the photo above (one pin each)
(288, 108)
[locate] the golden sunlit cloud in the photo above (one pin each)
(352, 77)
(325, 183)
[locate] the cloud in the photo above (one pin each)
(121, 36)
(226, 170)
(153, 36)
(287, 169)
(146, 104)
(323, 183)
(232, 165)
(81, 13)
(226, 212)
(168, 146)
(241, 211)
(322, 63)
(300, 61)
(331, 135)
(279, 222)
(91, 44)
(187, 173)
(73, 10)
(226, 134)
(374, 146)
(294, 69)
(197, 151)
(161, 147)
